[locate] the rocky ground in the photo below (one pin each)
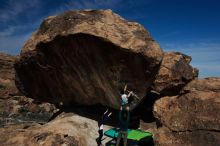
(14, 107)
(73, 68)
(66, 130)
(191, 118)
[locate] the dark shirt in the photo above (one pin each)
(124, 117)
(103, 119)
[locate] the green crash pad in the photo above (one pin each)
(136, 135)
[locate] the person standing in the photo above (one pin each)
(101, 123)
(124, 117)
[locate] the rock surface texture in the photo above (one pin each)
(87, 57)
(7, 76)
(193, 117)
(15, 108)
(65, 130)
(174, 73)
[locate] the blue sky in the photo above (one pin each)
(188, 26)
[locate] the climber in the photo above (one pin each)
(101, 123)
(124, 99)
(124, 117)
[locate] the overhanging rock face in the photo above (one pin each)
(87, 57)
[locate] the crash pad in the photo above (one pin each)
(133, 134)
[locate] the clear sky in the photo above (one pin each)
(188, 26)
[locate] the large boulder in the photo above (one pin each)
(174, 73)
(165, 137)
(193, 117)
(66, 130)
(87, 57)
